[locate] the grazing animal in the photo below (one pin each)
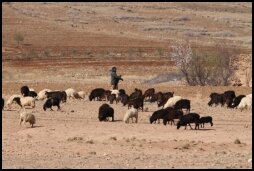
(188, 119)
(156, 96)
(149, 93)
(228, 97)
(27, 117)
(172, 101)
(122, 91)
(42, 94)
(159, 114)
(52, 102)
(216, 99)
(137, 93)
(57, 94)
(25, 101)
(71, 93)
(245, 103)
(205, 119)
(182, 104)
(24, 91)
(2, 103)
(97, 93)
(105, 111)
(81, 94)
(136, 103)
(124, 99)
(111, 98)
(32, 94)
(131, 113)
(171, 115)
(237, 101)
(10, 100)
(116, 92)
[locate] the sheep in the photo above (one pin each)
(228, 97)
(164, 98)
(237, 101)
(137, 93)
(2, 103)
(131, 113)
(31, 89)
(245, 103)
(159, 114)
(42, 95)
(25, 101)
(116, 92)
(216, 99)
(105, 111)
(71, 93)
(171, 115)
(27, 117)
(188, 119)
(10, 100)
(52, 102)
(98, 92)
(249, 95)
(111, 98)
(24, 91)
(205, 119)
(81, 94)
(172, 101)
(183, 103)
(57, 94)
(136, 103)
(32, 94)
(156, 96)
(124, 99)
(149, 93)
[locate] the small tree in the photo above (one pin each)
(182, 55)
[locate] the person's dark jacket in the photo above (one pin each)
(114, 78)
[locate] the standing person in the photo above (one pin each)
(114, 78)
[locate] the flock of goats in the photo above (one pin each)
(172, 106)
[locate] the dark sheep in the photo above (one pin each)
(97, 93)
(237, 101)
(171, 115)
(216, 99)
(105, 111)
(149, 93)
(182, 104)
(2, 103)
(137, 93)
(156, 96)
(124, 99)
(111, 98)
(159, 114)
(57, 94)
(32, 94)
(106, 94)
(228, 97)
(188, 119)
(121, 92)
(52, 102)
(24, 91)
(136, 103)
(205, 119)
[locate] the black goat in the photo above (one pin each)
(105, 111)
(24, 91)
(52, 102)
(57, 94)
(182, 104)
(205, 119)
(188, 119)
(98, 93)
(171, 115)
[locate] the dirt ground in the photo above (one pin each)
(74, 137)
(75, 44)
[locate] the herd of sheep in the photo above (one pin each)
(170, 107)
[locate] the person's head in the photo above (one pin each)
(113, 69)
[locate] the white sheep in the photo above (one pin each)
(71, 93)
(81, 94)
(27, 117)
(116, 92)
(249, 95)
(172, 101)
(41, 95)
(10, 100)
(131, 113)
(25, 101)
(245, 103)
